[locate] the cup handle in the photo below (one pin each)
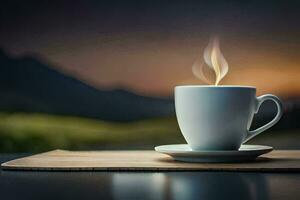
(260, 100)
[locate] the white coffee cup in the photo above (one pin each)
(219, 117)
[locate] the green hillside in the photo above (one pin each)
(39, 132)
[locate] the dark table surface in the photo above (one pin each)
(146, 185)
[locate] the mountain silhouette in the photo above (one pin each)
(28, 84)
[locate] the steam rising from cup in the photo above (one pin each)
(215, 61)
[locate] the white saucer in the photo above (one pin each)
(182, 152)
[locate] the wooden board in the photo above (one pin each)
(60, 160)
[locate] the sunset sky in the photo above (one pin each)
(149, 47)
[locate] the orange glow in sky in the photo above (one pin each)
(154, 66)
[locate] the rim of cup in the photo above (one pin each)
(216, 86)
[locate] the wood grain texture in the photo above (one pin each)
(60, 160)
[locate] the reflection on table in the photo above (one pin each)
(131, 185)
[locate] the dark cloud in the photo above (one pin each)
(99, 39)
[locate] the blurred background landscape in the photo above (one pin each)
(100, 74)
